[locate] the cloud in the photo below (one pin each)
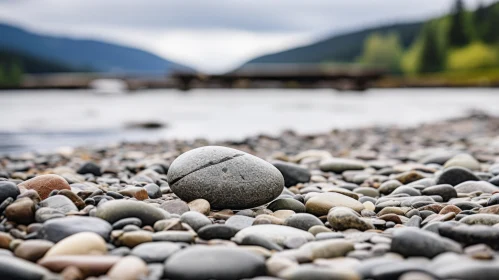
(221, 32)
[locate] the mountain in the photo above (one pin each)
(83, 54)
(462, 41)
(341, 48)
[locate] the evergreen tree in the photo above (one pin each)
(457, 33)
(431, 59)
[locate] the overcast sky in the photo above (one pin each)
(213, 35)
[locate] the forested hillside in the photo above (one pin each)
(462, 41)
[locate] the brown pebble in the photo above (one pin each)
(135, 192)
(33, 250)
(5, 240)
(31, 194)
(44, 184)
(74, 198)
(22, 211)
(450, 208)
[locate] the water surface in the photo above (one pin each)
(44, 120)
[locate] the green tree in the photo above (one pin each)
(486, 22)
(458, 36)
(384, 51)
(16, 74)
(431, 59)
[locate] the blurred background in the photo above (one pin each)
(88, 72)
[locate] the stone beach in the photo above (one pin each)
(367, 203)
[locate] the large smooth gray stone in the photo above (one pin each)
(226, 177)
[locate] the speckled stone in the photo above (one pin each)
(225, 177)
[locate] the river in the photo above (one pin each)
(45, 120)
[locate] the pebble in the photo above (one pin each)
(155, 252)
(15, 268)
(320, 204)
(225, 177)
(197, 220)
(214, 262)
(128, 268)
(217, 231)
(412, 242)
(59, 228)
(115, 210)
(33, 250)
(455, 176)
(90, 168)
(22, 211)
(60, 203)
(200, 205)
(474, 186)
(275, 233)
(83, 243)
(45, 184)
(239, 222)
(463, 160)
(342, 218)
(8, 189)
(293, 174)
(339, 165)
(286, 204)
(302, 221)
(91, 265)
(153, 191)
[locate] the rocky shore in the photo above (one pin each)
(371, 203)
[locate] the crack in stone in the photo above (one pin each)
(211, 163)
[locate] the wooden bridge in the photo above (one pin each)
(351, 77)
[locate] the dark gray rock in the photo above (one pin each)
(153, 191)
(455, 176)
(413, 242)
(303, 221)
(494, 180)
(445, 191)
(293, 173)
(8, 189)
(154, 252)
(12, 268)
(115, 210)
(471, 234)
(127, 221)
(493, 200)
(390, 271)
(90, 168)
(227, 178)
(287, 204)
(57, 229)
(214, 262)
(217, 231)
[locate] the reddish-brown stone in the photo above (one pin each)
(44, 184)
